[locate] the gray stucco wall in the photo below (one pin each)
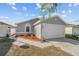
(21, 28)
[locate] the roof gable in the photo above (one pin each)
(6, 25)
(52, 20)
(55, 20)
(32, 21)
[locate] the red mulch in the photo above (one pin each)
(30, 37)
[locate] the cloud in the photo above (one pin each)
(40, 16)
(14, 8)
(11, 4)
(33, 15)
(76, 4)
(38, 5)
(63, 11)
(4, 17)
(24, 8)
(70, 5)
(70, 11)
(64, 15)
(26, 15)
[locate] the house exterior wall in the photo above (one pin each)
(12, 31)
(3, 32)
(4, 29)
(53, 31)
(75, 30)
(4, 26)
(21, 28)
(68, 30)
(37, 30)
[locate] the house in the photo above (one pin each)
(52, 27)
(72, 29)
(6, 29)
(68, 29)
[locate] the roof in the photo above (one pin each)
(72, 25)
(36, 21)
(7, 24)
(76, 26)
(49, 19)
(32, 21)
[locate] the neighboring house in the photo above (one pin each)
(6, 29)
(72, 29)
(68, 29)
(52, 27)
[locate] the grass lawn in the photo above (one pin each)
(7, 49)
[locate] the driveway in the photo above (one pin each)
(68, 45)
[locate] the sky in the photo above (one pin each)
(16, 12)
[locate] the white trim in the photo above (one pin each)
(24, 32)
(29, 27)
(36, 22)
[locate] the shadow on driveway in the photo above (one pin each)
(5, 44)
(71, 41)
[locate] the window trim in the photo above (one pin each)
(28, 30)
(28, 25)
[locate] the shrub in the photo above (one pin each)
(75, 37)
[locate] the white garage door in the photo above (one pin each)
(3, 32)
(53, 31)
(37, 30)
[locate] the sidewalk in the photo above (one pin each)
(37, 44)
(68, 45)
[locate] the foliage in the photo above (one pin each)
(49, 7)
(75, 37)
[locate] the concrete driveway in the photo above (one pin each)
(68, 45)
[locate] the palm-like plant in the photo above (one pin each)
(50, 7)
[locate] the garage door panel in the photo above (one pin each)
(53, 31)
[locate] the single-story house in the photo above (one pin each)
(6, 29)
(52, 27)
(72, 29)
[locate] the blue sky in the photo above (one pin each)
(17, 12)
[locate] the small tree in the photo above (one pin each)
(49, 7)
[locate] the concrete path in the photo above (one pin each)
(18, 43)
(37, 44)
(67, 45)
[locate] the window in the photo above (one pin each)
(27, 29)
